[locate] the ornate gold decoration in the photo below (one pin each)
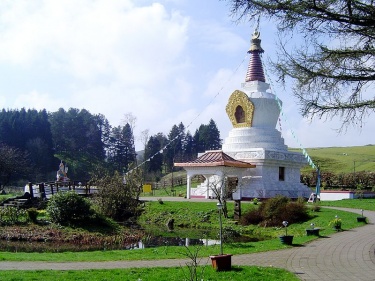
(240, 110)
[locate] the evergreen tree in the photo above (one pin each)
(152, 152)
(213, 136)
(77, 140)
(129, 148)
(174, 150)
(122, 149)
(207, 137)
(188, 147)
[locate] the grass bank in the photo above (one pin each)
(191, 213)
(151, 274)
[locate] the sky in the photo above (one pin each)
(165, 62)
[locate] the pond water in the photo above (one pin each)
(152, 239)
(189, 237)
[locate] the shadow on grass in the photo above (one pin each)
(236, 269)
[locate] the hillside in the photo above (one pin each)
(342, 159)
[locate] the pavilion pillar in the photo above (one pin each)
(208, 187)
(188, 187)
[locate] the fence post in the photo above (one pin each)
(31, 191)
(42, 190)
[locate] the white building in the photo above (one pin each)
(254, 111)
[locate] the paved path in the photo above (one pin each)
(347, 255)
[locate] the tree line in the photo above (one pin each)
(32, 144)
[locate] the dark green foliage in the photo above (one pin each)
(121, 152)
(29, 132)
(275, 210)
(68, 208)
(13, 163)
(32, 213)
(207, 137)
(77, 138)
(153, 146)
(118, 195)
(174, 152)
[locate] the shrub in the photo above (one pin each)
(68, 208)
(253, 216)
(118, 197)
(275, 210)
(32, 213)
(294, 212)
(12, 215)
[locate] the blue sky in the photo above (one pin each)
(164, 61)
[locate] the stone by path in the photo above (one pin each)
(347, 255)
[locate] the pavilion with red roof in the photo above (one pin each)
(216, 167)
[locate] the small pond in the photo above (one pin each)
(154, 237)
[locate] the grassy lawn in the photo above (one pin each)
(145, 274)
(320, 219)
(180, 211)
(365, 204)
(341, 159)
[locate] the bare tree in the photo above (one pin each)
(224, 186)
(144, 137)
(130, 119)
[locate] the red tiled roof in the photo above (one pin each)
(215, 158)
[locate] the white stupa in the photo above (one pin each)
(254, 112)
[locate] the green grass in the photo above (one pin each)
(341, 159)
(321, 219)
(145, 274)
(365, 204)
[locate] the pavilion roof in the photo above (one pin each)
(213, 158)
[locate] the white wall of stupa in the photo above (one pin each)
(254, 112)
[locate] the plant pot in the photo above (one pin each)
(222, 262)
(286, 239)
(337, 227)
(361, 219)
(312, 231)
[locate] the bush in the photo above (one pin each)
(32, 213)
(12, 215)
(118, 198)
(68, 208)
(275, 210)
(252, 217)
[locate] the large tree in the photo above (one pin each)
(122, 149)
(333, 68)
(77, 137)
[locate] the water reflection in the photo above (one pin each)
(152, 242)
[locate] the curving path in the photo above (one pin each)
(347, 255)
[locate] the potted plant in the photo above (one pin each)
(313, 230)
(336, 223)
(286, 239)
(361, 218)
(221, 262)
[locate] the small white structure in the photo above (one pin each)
(219, 170)
(334, 195)
(254, 112)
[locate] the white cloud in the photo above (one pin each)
(39, 101)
